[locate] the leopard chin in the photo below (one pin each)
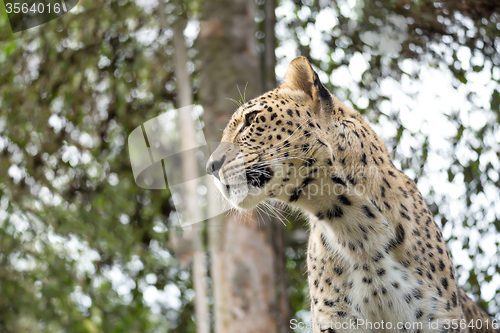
(241, 196)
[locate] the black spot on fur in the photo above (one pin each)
(351, 179)
(338, 180)
(329, 303)
(296, 192)
(323, 240)
(343, 200)
(400, 234)
(377, 256)
(403, 214)
(336, 211)
(444, 282)
(321, 142)
(367, 212)
(309, 161)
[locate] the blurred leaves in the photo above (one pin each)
(78, 236)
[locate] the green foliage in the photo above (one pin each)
(70, 93)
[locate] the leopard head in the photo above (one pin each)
(279, 144)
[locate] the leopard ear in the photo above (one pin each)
(301, 76)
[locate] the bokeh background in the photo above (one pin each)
(83, 249)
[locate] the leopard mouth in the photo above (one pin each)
(244, 189)
(259, 177)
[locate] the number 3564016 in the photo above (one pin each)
(34, 8)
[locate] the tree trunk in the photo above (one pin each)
(269, 54)
(192, 234)
(242, 251)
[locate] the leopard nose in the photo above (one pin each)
(213, 167)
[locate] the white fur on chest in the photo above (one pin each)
(384, 297)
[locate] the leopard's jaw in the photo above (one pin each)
(222, 189)
(240, 196)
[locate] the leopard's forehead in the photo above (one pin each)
(279, 102)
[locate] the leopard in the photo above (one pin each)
(376, 259)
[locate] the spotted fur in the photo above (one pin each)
(375, 253)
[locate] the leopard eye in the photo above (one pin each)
(249, 118)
